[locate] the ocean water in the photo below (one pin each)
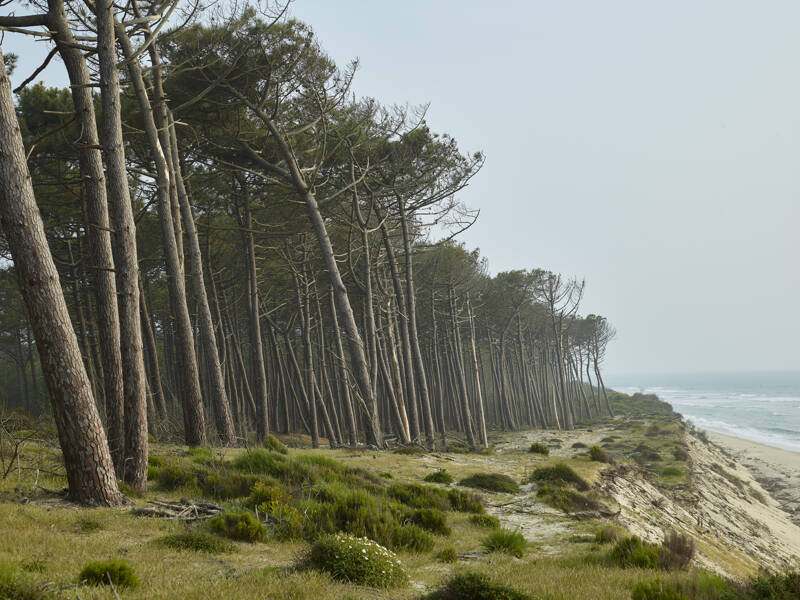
(762, 407)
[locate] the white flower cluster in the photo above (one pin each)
(365, 544)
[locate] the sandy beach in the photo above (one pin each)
(777, 470)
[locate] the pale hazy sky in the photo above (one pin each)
(650, 147)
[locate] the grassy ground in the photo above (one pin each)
(47, 541)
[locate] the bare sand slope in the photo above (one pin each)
(778, 471)
(735, 523)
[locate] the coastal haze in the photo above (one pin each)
(650, 149)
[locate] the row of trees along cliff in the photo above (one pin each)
(208, 229)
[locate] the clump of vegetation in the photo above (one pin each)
(700, 586)
(238, 525)
(87, 526)
(597, 454)
(606, 535)
(492, 482)
(119, 572)
(275, 445)
(440, 476)
(419, 496)
(539, 448)
(11, 586)
(633, 552)
(173, 476)
(386, 475)
(644, 454)
(774, 586)
(462, 501)
(357, 560)
(730, 477)
(412, 538)
(447, 555)
(671, 471)
(202, 455)
(677, 551)
(506, 540)
(579, 445)
(559, 474)
(680, 453)
(565, 498)
(476, 586)
(487, 521)
(430, 519)
(409, 450)
(224, 485)
(195, 541)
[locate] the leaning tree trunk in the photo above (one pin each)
(189, 376)
(87, 459)
(98, 229)
(125, 255)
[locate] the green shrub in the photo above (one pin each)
(487, 521)
(559, 474)
(386, 475)
(539, 448)
(633, 552)
(224, 485)
(447, 555)
(14, 588)
(409, 450)
(412, 539)
(274, 444)
(680, 453)
(774, 586)
(195, 541)
(671, 472)
(577, 445)
(505, 540)
(597, 454)
(565, 498)
(357, 560)
(492, 482)
(606, 535)
(87, 526)
(420, 496)
(476, 586)
(440, 476)
(700, 585)
(238, 526)
(430, 519)
(202, 455)
(173, 476)
(463, 501)
(644, 454)
(119, 572)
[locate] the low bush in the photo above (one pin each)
(680, 453)
(202, 455)
(476, 586)
(671, 472)
(700, 585)
(430, 519)
(539, 448)
(492, 482)
(447, 555)
(774, 586)
(15, 588)
(487, 521)
(357, 560)
(415, 495)
(597, 454)
(565, 498)
(409, 450)
(633, 552)
(195, 541)
(506, 540)
(274, 444)
(440, 476)
(239, 525)
(462, 501)
(87, 526)
(657, 590)
(606, 535)
(579, 445)
(559, 474)
(412, 538)
(173, 476)
(223, 485)
(644, 454)
(677, 551)
(100, 572)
